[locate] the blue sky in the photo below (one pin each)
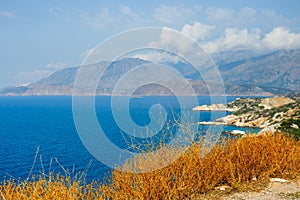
(40, 37)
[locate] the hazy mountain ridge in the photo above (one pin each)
(279, 70)
(63, 77)
(272, 73)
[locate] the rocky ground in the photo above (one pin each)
(273, 191)
(283, 112)
(257, 112)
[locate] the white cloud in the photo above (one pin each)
(220, 29)
(158, 57)
(170, 15)
(270, 19)
(178, 44)
(56, 65)
(7, 14)
(281, 38)
(235, 38)
(123, 17)
(170, 41)
(127, 11)
(198, 8)
(215, 14)
(102, 19)
(108, 19)
(247, 12)
(197, 31)
(132, 18)
(230, 39)
(245, 17)
(269, 13)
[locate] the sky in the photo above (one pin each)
(38, 38)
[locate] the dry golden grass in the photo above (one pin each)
(233, 163)
(58, 187)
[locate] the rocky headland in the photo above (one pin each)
(265, 113)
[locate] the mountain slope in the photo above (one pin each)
(278, 70)
(63, 77)
(273, 73)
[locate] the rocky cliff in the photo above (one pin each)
(258, 112)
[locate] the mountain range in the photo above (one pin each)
(243, 73)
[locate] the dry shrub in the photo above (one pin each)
(58, 187)
(230, 163)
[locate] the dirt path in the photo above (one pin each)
(274, 191)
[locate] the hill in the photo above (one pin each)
(270, 114)
(276, 70)
(268, 74)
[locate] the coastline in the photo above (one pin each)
(266, 114)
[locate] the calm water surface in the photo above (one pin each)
(28, 123)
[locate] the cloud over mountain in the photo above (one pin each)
(281, 38)
(197, 31)
(234, 38)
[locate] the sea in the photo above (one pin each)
(38, 134)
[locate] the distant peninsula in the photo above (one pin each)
(264, 113)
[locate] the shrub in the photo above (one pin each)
(286, 126)
(230, 163)
(198, 170)
(58, 187)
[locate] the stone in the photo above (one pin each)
(279, 180)
(295, 126)
(223, 188)
(238, 132)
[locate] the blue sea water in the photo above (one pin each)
(46, 122)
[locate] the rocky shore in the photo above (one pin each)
(213, 107)
(265, 113)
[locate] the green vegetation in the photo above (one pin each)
(295, 195)
(245, 105)
(291, 126)
(264, 112)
